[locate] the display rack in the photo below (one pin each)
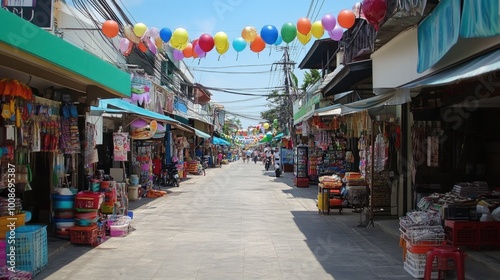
(301, 178)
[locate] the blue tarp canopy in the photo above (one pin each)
(134, 109)
(220, 141)
(201, 134)
(278, 137)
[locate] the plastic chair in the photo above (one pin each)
(444, 254)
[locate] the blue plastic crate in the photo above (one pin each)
(31, 248)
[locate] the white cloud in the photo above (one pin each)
(205, 25)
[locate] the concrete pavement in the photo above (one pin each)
(240, 222)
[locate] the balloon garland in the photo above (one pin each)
(144, 38)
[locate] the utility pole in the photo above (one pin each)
(289, 94)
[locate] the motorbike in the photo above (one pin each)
(268, 163)
(277, 169)
(171, 177)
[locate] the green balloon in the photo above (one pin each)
(288, 32)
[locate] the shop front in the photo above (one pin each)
(47, 85)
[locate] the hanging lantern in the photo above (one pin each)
(374, 11)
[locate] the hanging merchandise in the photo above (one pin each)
(380, 156)
(91, 154)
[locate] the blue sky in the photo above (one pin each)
(231, 16)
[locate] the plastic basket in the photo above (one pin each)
(89, 200)
(31, 250)
(462, 233)
(5, 221)
(416, 261)
(84, 235)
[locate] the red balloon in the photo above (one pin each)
(142, 47)
(206, 42)
(346, 18)
(374, 11)
(258, 44)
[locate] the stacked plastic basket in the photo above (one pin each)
(420, 233)
(87, 205)
(31, 250)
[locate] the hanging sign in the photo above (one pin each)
(38, 12)
(142, 130)
(121, 146)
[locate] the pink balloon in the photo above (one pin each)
(178, 55)
(198, 50)
(337, 33)
(124, 44)
(328, 21)
(152, 46)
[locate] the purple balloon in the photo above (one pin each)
(152, 46)
(337, 33)
(328, 21)
(178, 55)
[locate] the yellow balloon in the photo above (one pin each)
(266, 125)
(249, 33)
(179, 39)
(223, 50)
(317, 29)
(139, 29)
(304, 39)
(221, 40)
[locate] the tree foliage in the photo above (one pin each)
(310, 78)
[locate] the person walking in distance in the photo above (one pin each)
(255, 155)
(219, 159)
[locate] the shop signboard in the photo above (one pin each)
(287, 156)
(121, 146)
(141, 87)
(38, 12)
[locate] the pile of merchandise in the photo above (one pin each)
(421, 231)
(473, 189)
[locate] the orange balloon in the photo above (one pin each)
(346, 18)
(257, 44)
(188, 51)
(304, 26)
(110, 28)
(142, 47)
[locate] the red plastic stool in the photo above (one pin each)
(444, 254)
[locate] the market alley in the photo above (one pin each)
(238, 222)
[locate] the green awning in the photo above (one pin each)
(28, 48)
(201, 134)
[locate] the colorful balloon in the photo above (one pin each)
(317, 29)
(139, 29)
(151, 46)
(269, 34)
(110, 28)
(177, 55)
(124, 44)
(165, 34)
(337, 33)
(154, 32)
(278, 41)
(328, 21)
(142, 47)
(257, 44)
(288, 32)
(304, 26)
(206, 42)
(374, 11)
(304, 39)
(221, 40)
(346, 18)
(356, 9)
(158, 42)
(130, 35)
(188, 51)
(199, 52)
(266, 126)
(222, 51)
(179, 39)
(249, 33)
(239, 44)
